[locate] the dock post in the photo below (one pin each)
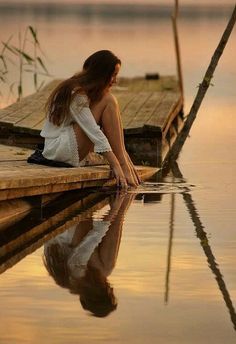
(177, 48)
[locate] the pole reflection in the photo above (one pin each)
(204, 242)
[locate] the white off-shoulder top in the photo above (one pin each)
(60, 141)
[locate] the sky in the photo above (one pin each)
(168, 2)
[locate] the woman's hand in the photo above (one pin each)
(130, 173)
(124, 172)
(133, 170)
(121, 181)
(117, 170)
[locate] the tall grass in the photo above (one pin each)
(26, 57)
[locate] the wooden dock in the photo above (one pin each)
(151, 113)
(20, 179)
(152, 118)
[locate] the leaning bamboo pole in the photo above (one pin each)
(203, 87)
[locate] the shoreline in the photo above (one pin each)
(115, 10)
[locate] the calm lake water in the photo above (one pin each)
(166, 257)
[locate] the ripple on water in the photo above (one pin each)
(165, 187)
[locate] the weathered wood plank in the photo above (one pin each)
(20, 179)
(27, 115)
(136, 84)
(8, 153)
(148, 109)
(134, 106)
(32, 100)
(15, 107)
(48, 175)
(22, 117)
(12, 211)
(37, 235)
(164, 111)
(124, 98)
(35, 116)
(39, 125)
(44, 183)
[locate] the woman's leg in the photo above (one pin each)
(107, 114)
(112, 127)
(111, 124)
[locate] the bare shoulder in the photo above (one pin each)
(110, 99)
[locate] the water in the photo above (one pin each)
(174, 273)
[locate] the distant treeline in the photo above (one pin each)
(112, 11)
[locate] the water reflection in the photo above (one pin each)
(81, 258)
(81, 234)
(204, 242)
(80, 251)
(43, 222)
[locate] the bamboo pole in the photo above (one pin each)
(177, 48)
(203, 87)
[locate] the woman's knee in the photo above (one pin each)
(106, 108)
(110, 100)
(111, 107)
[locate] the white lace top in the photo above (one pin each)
(60, 141)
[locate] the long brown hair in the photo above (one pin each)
(95, 76)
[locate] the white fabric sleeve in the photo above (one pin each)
(82, 115)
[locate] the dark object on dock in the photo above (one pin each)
(37, 158)
(152, 76)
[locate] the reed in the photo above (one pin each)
(26, 57)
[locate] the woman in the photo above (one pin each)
(77, 108)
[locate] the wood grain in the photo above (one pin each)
(20, 179)
(142, 102)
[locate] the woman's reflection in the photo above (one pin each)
(82, 257)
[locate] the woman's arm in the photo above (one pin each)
(83, 116)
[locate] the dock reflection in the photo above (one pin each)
(42, 222)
